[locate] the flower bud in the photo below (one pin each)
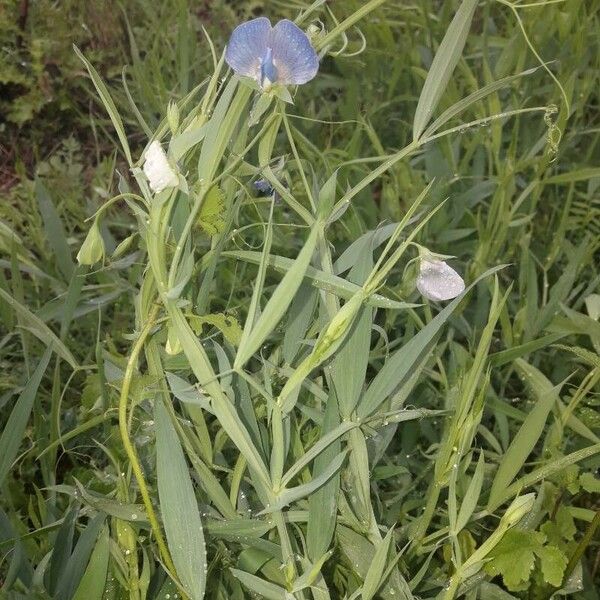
(173, 117)
(92, 249)
(519, 507)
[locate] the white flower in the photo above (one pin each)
(438, 281)
(157, 169)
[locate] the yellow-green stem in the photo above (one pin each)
(128, 445)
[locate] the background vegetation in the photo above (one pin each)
(496, 401)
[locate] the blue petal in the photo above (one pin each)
(293, 55)
(268, 69)
(247, 46)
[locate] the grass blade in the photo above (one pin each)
(529, 433)
(320, 279)
(322, 505)
(278, 303)
(264, 589)
(55, 232)
(75, 568)
(377, 567)
(443, 65)
(179, 508)
(108, 102)
(12, 435)
(39, 329)
(471, 496)
(306, 489)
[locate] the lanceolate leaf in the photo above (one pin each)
(12, 435)
(529, 433)
(320, 279)
(442, 67)
(179, 507)
(278, 303)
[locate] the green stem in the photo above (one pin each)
(347, 23)
(287, 551)
(583, 544)
(128, 445)
(433, 495)
(288, 131)
(114, 199)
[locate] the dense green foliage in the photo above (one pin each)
(238, 395)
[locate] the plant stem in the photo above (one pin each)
(287, 552)
(127, 443)
(583, 544)
(347, 23)
(432, 497)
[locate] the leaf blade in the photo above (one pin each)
(179, 508)
(443, 65)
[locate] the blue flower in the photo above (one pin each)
(262, 186)
(282, 54)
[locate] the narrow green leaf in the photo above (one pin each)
(61, 550)
(39, 329)
(471, 496)
(315, 450)
(349, 367)
(185, 141)
(443, 65)
(320, 279)
(374, 574)
(78, 561)
(110, 506)
(543, 472)
(299, 320)
(529, 432)
(13, 432)
(108, 102)
(358, 467)
(464, 103)
(259, 282)
(322, 505)
(310, 575)
(302, 491)
(278, 303)
(179, 508)
(506, 356)
(571, 176)
(17, 567)
(264, 589)
(55, 232)
(220, 128)
(222, 406)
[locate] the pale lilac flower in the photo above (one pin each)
(438, 281)
(282, 54)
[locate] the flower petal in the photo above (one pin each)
(158, 170)
(293, 55)
(247, 46)
(439, 281)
